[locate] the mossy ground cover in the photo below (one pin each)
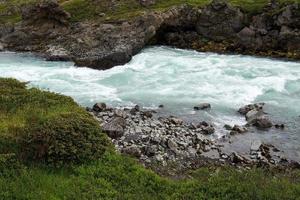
(124, 9)
(107, 175)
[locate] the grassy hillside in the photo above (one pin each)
(90, 9)
(46, 127)
(71, 167)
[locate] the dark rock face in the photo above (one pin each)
(42, 28)
(219, 21)
(217, 27)
(6, 29)
(45, 12)
(276, 28)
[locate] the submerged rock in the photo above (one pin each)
(279, 126)
(262, 122)
(228, 127)
(202, 106)
(238, 129)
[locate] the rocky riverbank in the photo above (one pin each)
(46, 29)
(169, 141)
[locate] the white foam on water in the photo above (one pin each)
(179, 79)
(162, 75)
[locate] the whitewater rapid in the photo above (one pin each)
(178, 79)
(162, 75)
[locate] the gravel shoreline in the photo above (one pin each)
(169, 141)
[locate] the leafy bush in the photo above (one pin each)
(46, 127)
(65, 138)
(9, 165)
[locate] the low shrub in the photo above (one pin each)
(9, 165)
(65, 138)
(45, 127)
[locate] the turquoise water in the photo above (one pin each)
(179, 79)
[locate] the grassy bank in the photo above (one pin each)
(88, 9)
(116, 177)
(72, 168)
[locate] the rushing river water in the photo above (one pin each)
(179, 79)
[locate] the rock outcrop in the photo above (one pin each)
(48, 12)
(220, 21)
(220, 27)
(275, 29)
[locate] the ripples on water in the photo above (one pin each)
(179, 79)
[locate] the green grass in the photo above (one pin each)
(110, 175)
(124, 9)
(117, 177)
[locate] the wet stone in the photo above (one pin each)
(202, 106)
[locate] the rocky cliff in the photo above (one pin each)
(46, 29)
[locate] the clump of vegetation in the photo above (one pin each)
(90, 9)
(43, 126)
(64, 138)
(47, 127)
(10, 165)
(117, 177)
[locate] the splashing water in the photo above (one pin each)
(179, 79)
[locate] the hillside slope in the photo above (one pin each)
(50, 174)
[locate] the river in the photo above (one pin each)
(179, 79)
